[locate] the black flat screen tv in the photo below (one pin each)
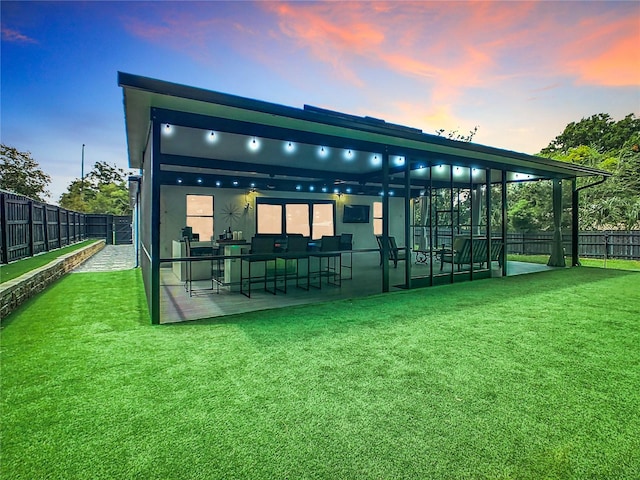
(355, 214)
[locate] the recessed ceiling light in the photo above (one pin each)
(253, 144)
(289, 147)
(212, 137)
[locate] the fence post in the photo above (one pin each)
(59, 227)
(45, 227)
(5, 229)
(30, 229)
(606, 248)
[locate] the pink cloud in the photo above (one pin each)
(452, 45)
(9, 35)
(445, 48)
(456, 45)
(606, 54)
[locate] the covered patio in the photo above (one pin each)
(410, 209)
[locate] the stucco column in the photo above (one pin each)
(557, 251)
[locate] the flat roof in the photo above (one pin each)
(311, 127)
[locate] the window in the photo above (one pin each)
(200, 215)
(377, 218)
(297, 218)
(269, 218)
(311, 218)
(322, 220)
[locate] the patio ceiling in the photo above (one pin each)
(219, 137)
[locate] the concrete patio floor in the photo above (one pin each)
(177, 305)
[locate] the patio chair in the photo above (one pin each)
(463, 248)
(395, 254)
(329, 251)
(262, 251)
(296, 251)
(346, 244)
(199, 252)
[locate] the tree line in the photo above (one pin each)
(597, 141)
(103, 190)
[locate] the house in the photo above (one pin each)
(231, 168)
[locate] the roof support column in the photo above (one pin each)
(154, 309)
(504, 223)
(575, 224)
(557, 251)
(452, 223)
(385, 220)
(477, 200)
(408, 220)
(486, 199)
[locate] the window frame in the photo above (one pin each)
(212, 216)
(284, 201)
(374, 218)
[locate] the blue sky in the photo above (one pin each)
(519, 70)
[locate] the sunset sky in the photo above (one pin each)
(520, 71)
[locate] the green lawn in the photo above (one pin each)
(529, 377)
(586, 262)
(16, 269)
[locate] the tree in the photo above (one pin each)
(600, 132)
(455, 135)
(104, 190)
(601, 142)
(21, 174)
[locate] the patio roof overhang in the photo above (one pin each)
(215, 138)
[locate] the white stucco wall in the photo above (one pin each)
(173, 213)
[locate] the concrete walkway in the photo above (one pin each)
(110, 258)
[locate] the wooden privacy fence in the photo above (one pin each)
(595, 244)
(30, 227)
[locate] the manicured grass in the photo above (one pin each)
(615, 264)
(529, 377)
(16, 269)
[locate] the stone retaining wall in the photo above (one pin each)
(17, 291)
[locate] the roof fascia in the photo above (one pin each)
(381, 134)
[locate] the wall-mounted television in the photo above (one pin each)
(355, 214)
